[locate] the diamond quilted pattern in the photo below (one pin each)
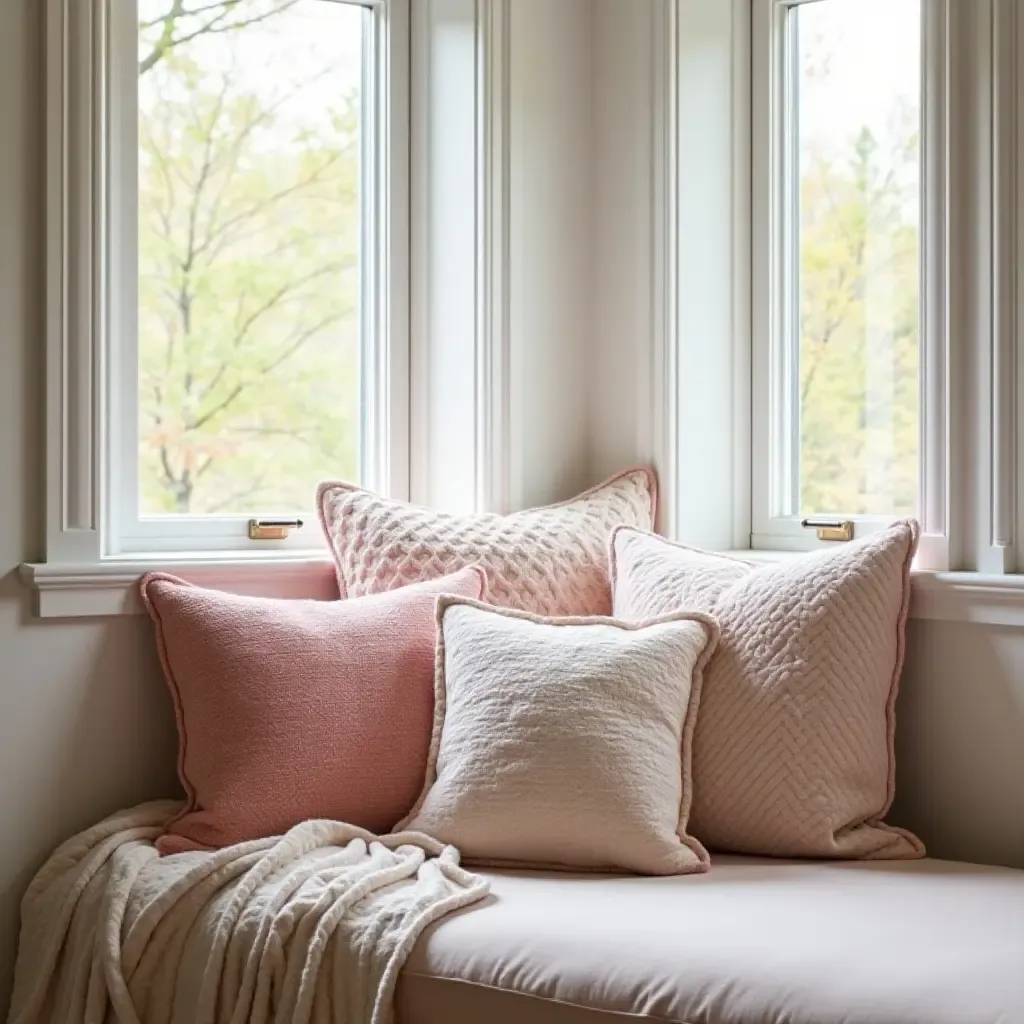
(549, 561)
(793, 752)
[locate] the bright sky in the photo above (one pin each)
(317, 44)
(873, 54)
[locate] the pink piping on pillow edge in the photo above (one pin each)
(165, 663)
(890, 705)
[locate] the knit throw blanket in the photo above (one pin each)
(311, 927)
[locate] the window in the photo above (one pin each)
(840, 179)
(245, 343)
(227, 252)
(249, 257)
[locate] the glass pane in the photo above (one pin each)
(249, 239)
(856, 76)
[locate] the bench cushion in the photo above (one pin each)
(752, 942)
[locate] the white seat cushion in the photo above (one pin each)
(752, 942)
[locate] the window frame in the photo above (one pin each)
(774, 446)
(698, 374)
(92, 307)
(428, 444)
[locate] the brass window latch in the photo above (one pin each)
(830, 529)
(272, 529)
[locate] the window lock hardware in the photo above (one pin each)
(272, 529)
(830, 529)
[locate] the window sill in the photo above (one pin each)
(990, 599)
(111, 587)
(62, 591)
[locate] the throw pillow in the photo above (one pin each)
(550, 561)
(793, 752)
(291, 710)
(564, 742)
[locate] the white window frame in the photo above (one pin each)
(704, 406)
(92, 314)
(772, 441)
(423, 441)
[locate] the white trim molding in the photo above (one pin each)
(1007, 166)
(92, 312)
(983, 187)
(460, 254)
(75, 312)
(494, 257)
(111, 587)
(982, 598)
(694, 403)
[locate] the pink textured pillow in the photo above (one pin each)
(292, 710)
(793, 751)
(548, 561)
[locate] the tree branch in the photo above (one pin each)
(238, 497)
(219, 11)
(265, 204)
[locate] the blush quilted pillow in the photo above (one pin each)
(793, 750)
(292, 710)
(548, 561)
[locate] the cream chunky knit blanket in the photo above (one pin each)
(312, 927)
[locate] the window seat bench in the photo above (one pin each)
(754, 941)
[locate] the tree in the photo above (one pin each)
(248, 253)
(166, 24)
(859, 324)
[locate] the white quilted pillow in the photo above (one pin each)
(793, 752)
(564, 742)
(550, 561)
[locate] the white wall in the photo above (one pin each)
(85, 723)
(960, 716)
(960, 741)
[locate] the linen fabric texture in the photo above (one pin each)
(564, 742)
(793, 749)
(293, 710)
(549, 561)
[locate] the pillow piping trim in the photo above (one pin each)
(191, 804)
(712, 634)
(327, 486)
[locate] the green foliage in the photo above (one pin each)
(859, 327)
(167, 24)
(249, 231)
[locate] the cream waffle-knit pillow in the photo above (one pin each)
(564, 742)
